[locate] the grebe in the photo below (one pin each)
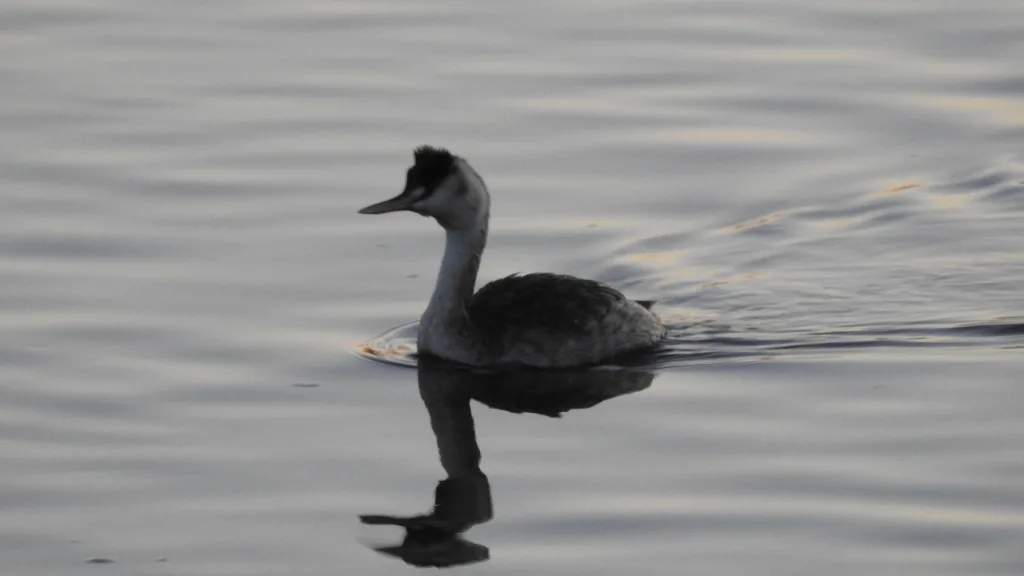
(536, 320)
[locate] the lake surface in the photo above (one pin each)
(825, 198)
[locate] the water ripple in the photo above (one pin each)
(825, 199)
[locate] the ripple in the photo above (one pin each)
(396, 346)
(1001, 111)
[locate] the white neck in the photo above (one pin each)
(456, 280)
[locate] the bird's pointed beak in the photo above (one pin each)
(403, 201)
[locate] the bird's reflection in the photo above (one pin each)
(463, 499)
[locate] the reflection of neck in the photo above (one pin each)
(452, 422)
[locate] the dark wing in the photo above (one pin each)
(555, 302)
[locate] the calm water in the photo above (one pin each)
(826, 198)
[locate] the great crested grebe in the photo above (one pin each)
(535, 320)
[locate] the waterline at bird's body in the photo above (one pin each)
(537, 320)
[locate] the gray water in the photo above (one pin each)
(826, 199)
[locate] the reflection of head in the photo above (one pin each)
(434, 539)
(463, 499)
(454, 551)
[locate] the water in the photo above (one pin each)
(827, 199)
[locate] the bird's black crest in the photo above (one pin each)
(432, 166)
(429, 153)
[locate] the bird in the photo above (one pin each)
(537, 320)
